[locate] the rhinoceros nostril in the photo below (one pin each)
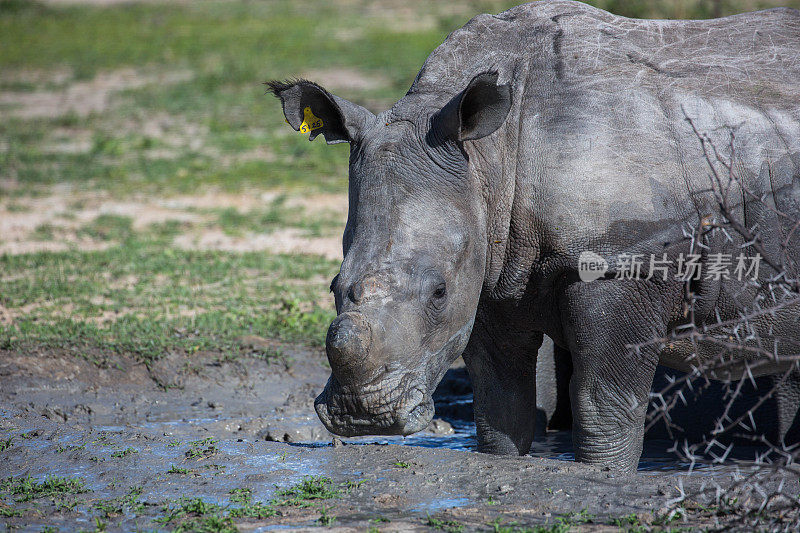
(356, 292)
(348, 342)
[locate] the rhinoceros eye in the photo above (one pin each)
(440, 291)
(434, 291)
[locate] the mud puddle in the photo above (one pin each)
(145, 445)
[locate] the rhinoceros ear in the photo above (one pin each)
(311, 109)
(478, 111)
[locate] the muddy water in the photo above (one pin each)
(124, 425)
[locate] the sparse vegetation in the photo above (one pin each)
(28, 488)
(124, 453)
(196, 515)
(249, 509)
(628, 523)
(70, 447)
(202, 449)
(117, 506)
(325, 519)
(449, 526)
(8, 512)
(310, 489)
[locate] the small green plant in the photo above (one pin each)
(8, 512)
(243, 496)
(626, 521)
(118, 506)
(174, 444)
(44, 232)
(350, 484)
(178, 470)
(324, 518)
(108, 228)
(309, 489)
(5, 443)
(449, 526)
(186, 506)
(669, 517)
(253, 510)
(401, 464)
(69, 448)
(572, 519)
(109, 508)
(103, 440)
(124, 453)
(202, 449)
(511, 527)
(99, 525)
(208, 524)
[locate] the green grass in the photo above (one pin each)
(309, 489)
(627, 522)
(24, 489)
(70, 447)
(196, 515)
(8, 512)
(129, 503)
(249, 509)
(108, 228)
(325, 519)
(202, 449)
(156, 299)
(277, 214)
(124, 453)
(448, 526)
(227, 49)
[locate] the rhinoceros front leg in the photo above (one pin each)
(502, 366)
(610, 386)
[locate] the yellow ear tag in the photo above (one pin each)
(310, 122)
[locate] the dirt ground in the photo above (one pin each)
(65, 212)
(200, 426)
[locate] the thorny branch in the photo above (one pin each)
(740, 351)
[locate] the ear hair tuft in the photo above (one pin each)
(276, 87)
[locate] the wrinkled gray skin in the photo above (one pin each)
(527, 138)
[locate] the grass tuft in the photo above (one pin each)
(28, 488)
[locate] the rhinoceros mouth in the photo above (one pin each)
(403, 411)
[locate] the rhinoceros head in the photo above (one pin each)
(414, 248)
